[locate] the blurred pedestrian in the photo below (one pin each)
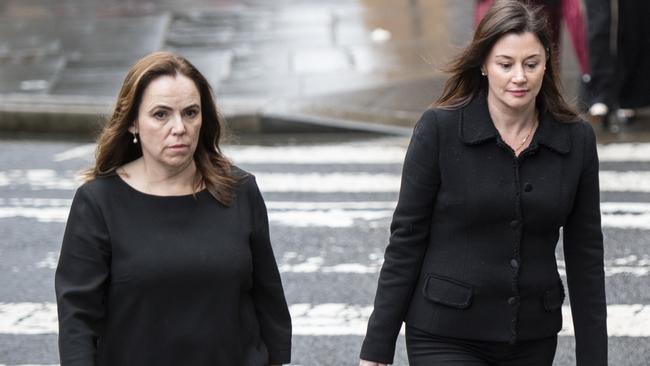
(619, 52)
(602, 58)
(492, 173)
(166, 257)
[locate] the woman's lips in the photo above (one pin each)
(178, 147)
(518, 93)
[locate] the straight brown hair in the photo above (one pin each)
(115, 147)
(504, 17)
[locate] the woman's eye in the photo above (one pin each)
(505, 66)
(160, 114)
(531, 66)
(191, 113)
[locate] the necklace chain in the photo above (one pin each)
(530, 132)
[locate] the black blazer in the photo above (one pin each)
(473, 237)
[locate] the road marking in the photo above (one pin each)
(329, 319)
(28, 318)
(624, 207)
(370, 153)
(341, 214)
(328, 182)
(41, 214)
(314, 154)
(332, 205)
(35, 202)
(629, 181)
(79, 152)
(315, 264)
(292, 262)
(320, 154)
(327, 218)
(36, 179)
(631, 265)
(639, 152)
(361, 153)
(613, 181)
(50, 261)
(344, 319)
(318, 320)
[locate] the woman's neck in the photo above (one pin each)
(515, 125)
(511, 120)
(158, 180)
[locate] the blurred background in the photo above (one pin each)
(320, 98)
(373, 62)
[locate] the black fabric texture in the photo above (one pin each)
(465, 219)
(174, 280)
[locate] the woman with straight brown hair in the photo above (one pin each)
(493, 173)
(166, 257)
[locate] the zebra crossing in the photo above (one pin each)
(330, 205)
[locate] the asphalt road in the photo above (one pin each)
(330, 200)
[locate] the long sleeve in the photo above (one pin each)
(583, 252)
(408, 242)
(268, 295)
(80, 281)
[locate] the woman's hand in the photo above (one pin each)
(370, 363)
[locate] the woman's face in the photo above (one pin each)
(515, 70)
(169, 121)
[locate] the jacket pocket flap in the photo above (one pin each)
(447, 291)
(554, 298)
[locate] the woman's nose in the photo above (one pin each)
(520, 75)
(178, 127)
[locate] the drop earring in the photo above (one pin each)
(135, 138)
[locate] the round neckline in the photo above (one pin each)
(180, 196)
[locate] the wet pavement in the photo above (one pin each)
(247, 48)
(366, 64)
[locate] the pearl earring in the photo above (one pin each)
(135, 138)
(483, 73)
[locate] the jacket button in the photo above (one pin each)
(512, 300)
(514, 224)
(514, 263)
(528, 187)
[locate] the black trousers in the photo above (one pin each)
(619, 58)
(602, 57)
(425, 349)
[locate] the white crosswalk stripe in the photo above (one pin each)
(368, 153)
(319, 319)
(324, 214)
(633, 265)
(36, 179)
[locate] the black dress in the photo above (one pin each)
(169, 280)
